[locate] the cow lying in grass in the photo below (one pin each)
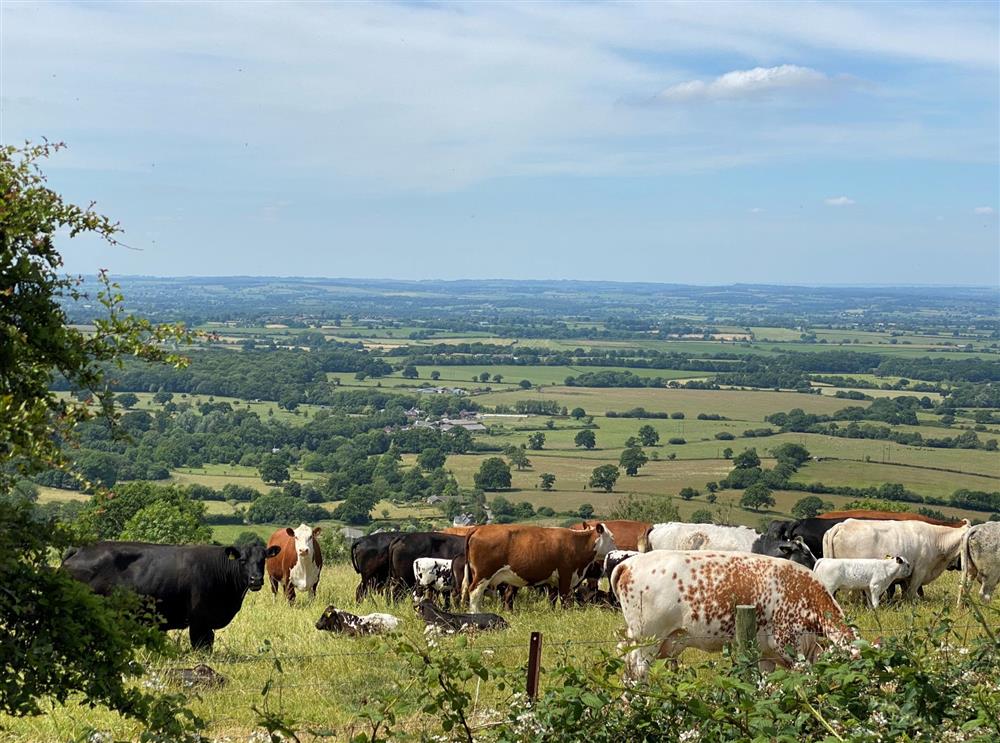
(459, 622)
(335, 620)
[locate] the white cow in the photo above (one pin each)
(433, 575)
(928, 548)
(680, 536)
(688, 599)
(872, 576)
(981, 559)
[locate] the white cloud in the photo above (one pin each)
(746, 83)
(756, 210)
(984, 210)
(839, 201)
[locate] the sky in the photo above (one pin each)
(705, 143)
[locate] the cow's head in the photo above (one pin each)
(604, 542)
(333, 620)
(795, 550)
(905, 568)
(305, 547)
(250, 559)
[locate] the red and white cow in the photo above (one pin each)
(682, 599)
(298, 564)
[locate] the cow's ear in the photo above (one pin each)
(599, 528)
(272, 550)
(899, 559)
(232, 553)
(289, 531)
(317, 531)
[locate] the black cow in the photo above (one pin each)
(408, 547)
(370, 558)
(459, 622)
(794, 549)
(197, 586)
(810, 531)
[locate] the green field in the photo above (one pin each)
(327, 679)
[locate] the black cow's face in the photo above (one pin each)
(251, 560)
(789, 549)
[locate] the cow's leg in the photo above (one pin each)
(989, 584)
(202, 638)
(874, 593)
(446, 598)
(274, 585)
(290, 591)
(361, 590)
(637, 661)
(565, 589)
(914, 585)
(476, 590)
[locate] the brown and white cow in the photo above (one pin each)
(519, 555)
(298, 564)
(681, 599)
(929, 549)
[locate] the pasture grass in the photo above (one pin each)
(327, 679)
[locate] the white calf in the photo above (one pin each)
(872, 576)
(433, 575)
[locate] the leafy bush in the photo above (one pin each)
(163, 522)
(676, 441)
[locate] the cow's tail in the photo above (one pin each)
(613, 580)
(643, 542)
(466, 572)
(965, 562)
(354, 558)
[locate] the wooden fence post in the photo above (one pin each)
(534, 664)
(746, 628)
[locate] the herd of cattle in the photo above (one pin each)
(678, 583)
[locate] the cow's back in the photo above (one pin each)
(871, 515)
(627, 533)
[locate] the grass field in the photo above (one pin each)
(327, 679)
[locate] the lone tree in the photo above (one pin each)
(727, 453)
(518, 457)
(746, 459)
(585, 438)
(604, 477)
(632, 459)
(689, 493)
(577, 413)
(431, 459)
(586, 511)
(435, 375)
(757, 496)
(484, 377)
(536, 441)
(273, 470)
(45, 656)
(493, 474)
(127, 400)
(548, 480)
(410, 372)
(648, 435)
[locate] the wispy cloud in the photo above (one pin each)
(984, 210)
(746, 83)
(756, 210)
(839, 201)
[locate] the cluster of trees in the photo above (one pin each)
(899, 410)
(757, 483)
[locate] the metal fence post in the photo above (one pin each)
(534, 664)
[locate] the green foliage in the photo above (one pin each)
(127, 399)
(648, 435)
(688, 493)
(577, 413)
(701, 516)
(273, 470)
(794, 455)
(586, 511)
(277, 508)
(431, 459)
(493, 474)
(757, 496)
(248, 538)
(747, 459)
(604, 477)
(547, 480)
(163, 522)
(536, 441)
(108, 513)
(632, 459)
(410, 372)
(727, 453)
(808, 507)
(518, 457)
(585, 438)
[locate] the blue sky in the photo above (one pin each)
(808, 143)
